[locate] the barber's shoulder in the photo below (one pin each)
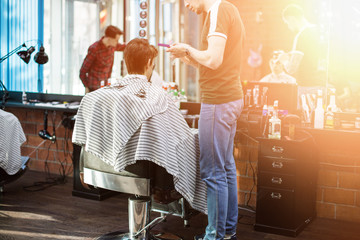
(94, 46)
(230, 11)
(228, 6)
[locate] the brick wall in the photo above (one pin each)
(338, 183)
(338, 188)
(246, 159)
(55, 155)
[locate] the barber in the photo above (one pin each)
(97, 65)
(219, 62)
(305, 60)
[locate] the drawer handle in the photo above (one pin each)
(277, 164)
(276, 180)
(277, 149)
(275, 195)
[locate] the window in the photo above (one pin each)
(70, 27)
(19, 23)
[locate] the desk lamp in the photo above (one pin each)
(41, 58)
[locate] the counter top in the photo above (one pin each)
(44, 106)
(52, 102)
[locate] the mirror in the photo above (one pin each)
(67, 45)
(71, 26)
(344, 50)
(339, 23)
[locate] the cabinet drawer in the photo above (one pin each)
(275, 207)
(277, 165)
(274, 180)
(278, 148)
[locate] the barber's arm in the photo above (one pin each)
(120, 47)
(85, 68)
(189, 61)
(211, 57)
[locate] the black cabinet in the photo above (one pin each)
(286, 189)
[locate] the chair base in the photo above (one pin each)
(6, 178)
(121, 235)
(165, 236)
(118, 235)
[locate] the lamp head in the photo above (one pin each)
(25, 55)
(41, 57)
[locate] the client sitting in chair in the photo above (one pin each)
(12, 164)
(136, 122)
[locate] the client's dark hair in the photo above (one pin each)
(111, 31)
(293, 10)
(137, 54)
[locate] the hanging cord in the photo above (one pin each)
(64, 171)
(244, 218)
(254, 174)
(66, 151)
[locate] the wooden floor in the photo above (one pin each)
(54, 213)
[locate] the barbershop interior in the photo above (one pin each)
(180, 119)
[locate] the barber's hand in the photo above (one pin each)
(178, 50)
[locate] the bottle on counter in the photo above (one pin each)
(256, 95)
(171, 89)
(319, 112)
(330, 110)
(175, 98)
(24, 98)
(248, 98)
(165, 86)
(263, 101)
(183, 97)
(275, 123)
(111, 81)
(357, 123)
(305, 110)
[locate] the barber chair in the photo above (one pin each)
(152, 188)
(6, 178)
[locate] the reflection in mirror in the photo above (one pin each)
(344, 61)
(70, 27)
(79, 28)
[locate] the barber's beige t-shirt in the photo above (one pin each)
(223, 84)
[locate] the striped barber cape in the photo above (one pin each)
(135, 121)
(11, 138)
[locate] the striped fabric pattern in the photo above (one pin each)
(11, 138)
(135, 121)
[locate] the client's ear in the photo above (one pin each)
(149, 64)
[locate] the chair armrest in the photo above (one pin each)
(116, 182)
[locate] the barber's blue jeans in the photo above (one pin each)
(217, 127)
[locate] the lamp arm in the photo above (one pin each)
(5, 95)
(2, 86)
(12, 52)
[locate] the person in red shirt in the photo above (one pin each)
(97, 65)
